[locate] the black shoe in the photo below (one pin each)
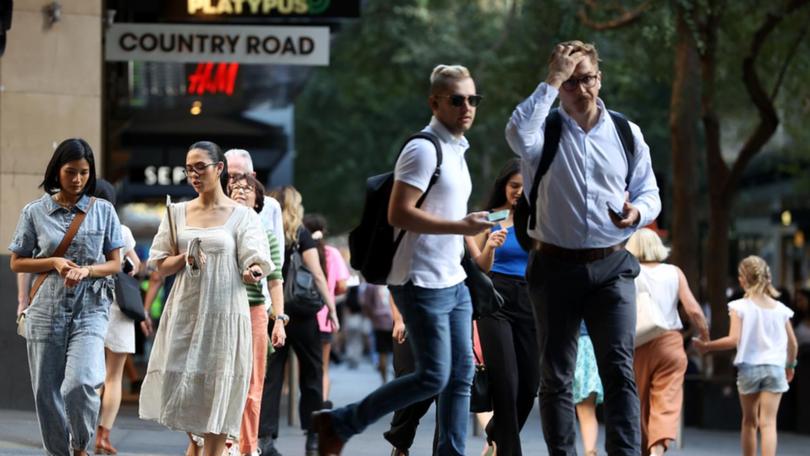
(327, 404)
(267, 447)
(312, 443)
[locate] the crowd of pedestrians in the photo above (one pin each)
(560, 238)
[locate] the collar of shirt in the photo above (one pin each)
(444, 134)
(53, 206)
(600, 105)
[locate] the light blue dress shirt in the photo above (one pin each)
(587, 174)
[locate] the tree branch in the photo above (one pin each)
(786, 63)
(768, 119)
(625, 17)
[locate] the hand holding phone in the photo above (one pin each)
(255, 273)
(498, 216)
(614, 214)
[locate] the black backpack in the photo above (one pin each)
(525, 212)
(371, 243)
(301, 295)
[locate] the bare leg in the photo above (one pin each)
(111, 401)
(588, 425)
(192, 449)
(768, 406)
(214, 444)
(382, 366)
(750, 418)
(483, 419)
(326, 348)
(658, 449)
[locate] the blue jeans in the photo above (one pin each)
(65, 340)
(439, 323)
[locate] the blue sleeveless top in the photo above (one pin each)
(510, 258)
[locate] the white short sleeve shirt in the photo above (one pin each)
(763, 338)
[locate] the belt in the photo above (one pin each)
(576, 255)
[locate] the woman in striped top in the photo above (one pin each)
(248, 191)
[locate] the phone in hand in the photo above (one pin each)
(614, 213)
(128, 265)
(498, 216)
(256, 273)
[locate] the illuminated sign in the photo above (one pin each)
(267, 8)
(280, 45)
(213, 78)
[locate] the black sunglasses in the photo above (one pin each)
(458, 100)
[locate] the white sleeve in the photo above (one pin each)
(416, 164)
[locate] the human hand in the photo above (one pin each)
(789, 373)
(253, 274)
(474, 223)
(146, 326)
(22, 302)
(278, 337)
(628, 218)
(564, 61)
(496, 239)
(702, 346)
(76, 275)
(334, 319)
(62, 265)
(399, 334)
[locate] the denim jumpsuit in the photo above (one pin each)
(65, 328)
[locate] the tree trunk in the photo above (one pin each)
(683, 128)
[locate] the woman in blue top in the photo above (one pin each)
(67, 320)
(508, 337)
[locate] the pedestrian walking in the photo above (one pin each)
(119, 342)
(426, 278)
(199, 370)
(508, 337)
(598, 190)
(660, 364)
(72, 242)
(249, 192)
(588, 392)
(762, 333)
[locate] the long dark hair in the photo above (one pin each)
(497, 196)
(315, 223)
(216, 155)
(67, 151)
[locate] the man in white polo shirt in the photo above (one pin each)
(426, 279)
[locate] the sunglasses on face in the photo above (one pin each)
(458, 100)
(587, 81)
(197, 168)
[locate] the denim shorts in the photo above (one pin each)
(753, 378)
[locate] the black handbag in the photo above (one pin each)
(128, 297)
(479, 393)
(301, 295)
(485, 298)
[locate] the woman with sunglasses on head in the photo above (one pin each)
(248, 191)
(67, 318)
(508, 337)
(199, 369)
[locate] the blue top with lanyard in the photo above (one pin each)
(510, 258)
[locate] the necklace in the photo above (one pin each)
(67, 206)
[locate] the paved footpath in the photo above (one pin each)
(19, 434)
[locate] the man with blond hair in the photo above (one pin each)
(426, 278)
(598, 188)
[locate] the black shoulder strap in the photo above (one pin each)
(436, 173)
(628, 142)
(551, 140)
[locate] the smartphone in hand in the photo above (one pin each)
(498, 216)
(616, 215)
(128, 265)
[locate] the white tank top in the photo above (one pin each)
(662, 281)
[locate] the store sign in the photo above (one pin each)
(269, 8)
(164, 175)
(279, 45)
(213, 78)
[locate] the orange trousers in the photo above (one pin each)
(249, 434)
(660, 366)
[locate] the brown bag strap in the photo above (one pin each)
(62, 247)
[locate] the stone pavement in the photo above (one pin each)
(19, 434)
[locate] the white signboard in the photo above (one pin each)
(217, 43)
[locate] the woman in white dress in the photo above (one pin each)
(199, 369)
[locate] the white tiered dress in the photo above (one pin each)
(200, 365)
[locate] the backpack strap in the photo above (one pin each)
(436, 173)
(551, 141)
(628, 142)
(61, 249)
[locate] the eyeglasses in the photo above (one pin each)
(458, 100)
(242, 188)
(197, 168)
(587, 81)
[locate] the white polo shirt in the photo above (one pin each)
(433, 260)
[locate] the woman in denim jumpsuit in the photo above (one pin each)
(67, 319)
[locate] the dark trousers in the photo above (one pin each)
(602, 293)
(303, 336)
(509, 344)
(406, 420)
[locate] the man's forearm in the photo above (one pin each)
(416, 220)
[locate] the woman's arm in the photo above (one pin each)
(724, 343)
(136, 262)
(398, 333)
(276, 289)
(37, 265)
(171, 264)
(792, 350)
(691, 306)
(311, 261)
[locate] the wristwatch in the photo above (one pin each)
(284, 318)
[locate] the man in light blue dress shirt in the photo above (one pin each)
(579, 268)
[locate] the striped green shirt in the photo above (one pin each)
(254, 290)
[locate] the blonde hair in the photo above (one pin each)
(588, 49)
(443, 75)
(757, 276)
(292, 211)
(646, 245)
